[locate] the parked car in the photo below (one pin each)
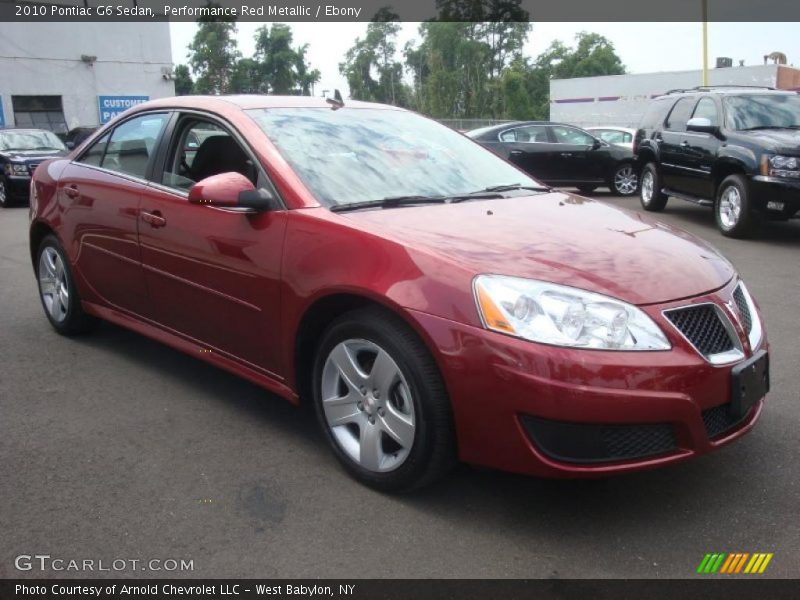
(619, 136)
(736, 149)
(429, 299)
(562, 155)
(21, 151)
(77, 135)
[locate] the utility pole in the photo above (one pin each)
(705, 41)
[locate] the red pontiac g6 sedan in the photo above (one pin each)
(431, 300)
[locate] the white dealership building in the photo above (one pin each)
(59, 76)
(622, 99)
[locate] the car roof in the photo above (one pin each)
(514, 124)
(727, 90)
(250, 101)
(611, 127)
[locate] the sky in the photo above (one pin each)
(643, 47)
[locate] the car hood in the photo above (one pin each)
(780, 140)
(560, 238)
(29, 156)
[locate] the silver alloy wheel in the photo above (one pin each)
(367, 404)
(53, 284)
(730, 207)
(3, 194)
(648, 184)
(626, 181)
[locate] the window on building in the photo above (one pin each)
(40, 112)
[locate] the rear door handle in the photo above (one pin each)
(154, 219)
(684, 144)
(566, 154)
(72, 191)
(515, 153)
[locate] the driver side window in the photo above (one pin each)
(570, 135)
(202, 149)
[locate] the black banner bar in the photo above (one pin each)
(407, 10)
(727, 588)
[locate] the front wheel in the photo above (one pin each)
(733, 209)
(650, 194)
(381, 402)
(5, 194)
(625, 181)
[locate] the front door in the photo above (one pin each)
(213, 273)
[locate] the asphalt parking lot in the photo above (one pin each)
(115, 447)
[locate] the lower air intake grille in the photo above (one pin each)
(703, 327)
(592, 443)
(744, 309)
(718, 420)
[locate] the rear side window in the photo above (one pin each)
(655, 113)
(94, 155)
(132, 144)
(676, 121)
(529, 134)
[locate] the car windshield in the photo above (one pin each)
(30, 140)
(354, 155)
(762, 111)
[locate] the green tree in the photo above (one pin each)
(183, 80)
(283, 69)
(211, 54)
(246, 77)
(371, 67)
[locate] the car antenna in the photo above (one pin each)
(336, 102)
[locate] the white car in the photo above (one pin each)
(619, 136)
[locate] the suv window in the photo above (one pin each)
(528, 134)
(655, 113)
(707, 108)
(676, 121)
(570, 135)
(202, 149)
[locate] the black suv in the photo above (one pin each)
(734, 148)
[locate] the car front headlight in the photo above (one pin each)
(563, 316)
(16, 169)
(784, 166)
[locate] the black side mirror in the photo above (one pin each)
(596, 144)
(70, 145)
(259, 199)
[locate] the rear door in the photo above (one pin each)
(676, 172)
(213, 273)
(100, 192)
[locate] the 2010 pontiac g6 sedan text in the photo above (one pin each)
(431, 300)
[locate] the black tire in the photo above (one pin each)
(744, 223)
(74, 320)
(433, 451)
(650, 194)
(624, 180)
(5, 194)
(586, 189)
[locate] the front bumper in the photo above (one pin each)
(665, 406)
(776, 195)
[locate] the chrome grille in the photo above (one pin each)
(702, 325)
(744, 309)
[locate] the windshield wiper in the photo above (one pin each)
(510, 187)
(770, 127)
(390, 202)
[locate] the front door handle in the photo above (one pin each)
(684, 144)
(154, 219)
(515, 153)
(72, 191)
(566, 154)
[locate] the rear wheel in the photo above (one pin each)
(57, 290)
(733, 209)
(650, 194)
(381, 402)
(625, 181)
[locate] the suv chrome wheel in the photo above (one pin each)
(53, 285)
(648, 185)
(3, 193)
(367, 405)
(730, 207)
(626, 181)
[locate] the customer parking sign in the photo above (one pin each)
(111, 106)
